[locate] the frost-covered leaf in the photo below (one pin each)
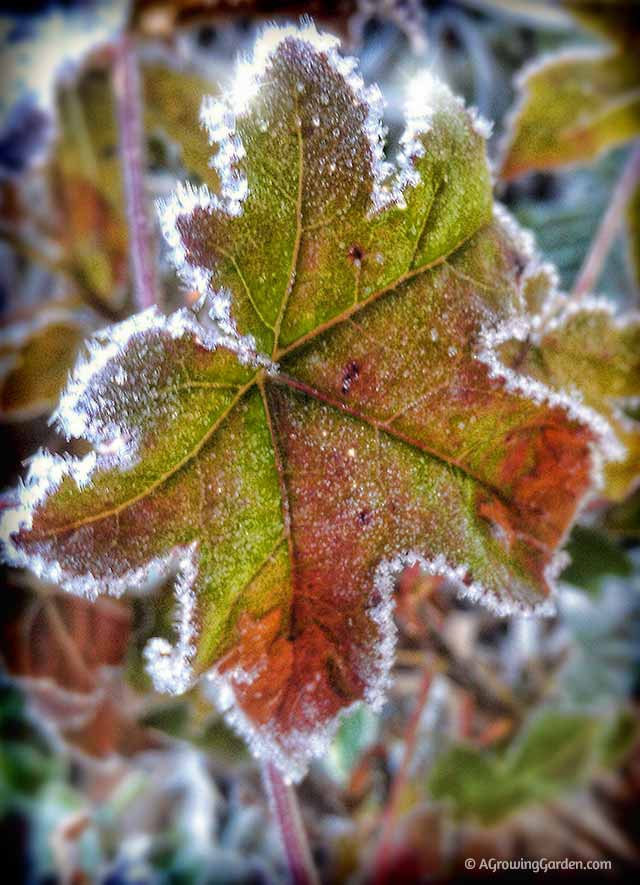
(35, 360)
(584, 346)
(573, 106)
(347, 415)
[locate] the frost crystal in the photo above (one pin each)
(80, 412)
(427, 95)
(170, 666)
(520, 329)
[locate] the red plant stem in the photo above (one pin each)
(132, 155)
(286, 811)
(609, 226)
(384, 853)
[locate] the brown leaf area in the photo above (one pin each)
(93, 237)
(64, 650)
(281, 665)
(292, 669)
(68, 640)
(545, 471)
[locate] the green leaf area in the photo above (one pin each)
(554, 754)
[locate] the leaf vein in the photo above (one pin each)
(298, 238)
(114, 511)
(230, 257)
(355, 308)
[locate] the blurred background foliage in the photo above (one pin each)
(501, 739)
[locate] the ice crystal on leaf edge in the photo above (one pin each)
(169, 666)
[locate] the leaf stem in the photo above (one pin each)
(384, 852)
(286, 811)
(609, 226)
(132, 155)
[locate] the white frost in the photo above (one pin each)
(74, 415)
(426, 96)
(170, 666)
(609, 447)
(86, 412)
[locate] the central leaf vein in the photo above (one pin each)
(298, 236)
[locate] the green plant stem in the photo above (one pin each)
(384, 852)
(286, 811)
(609, 226)
(132, 155)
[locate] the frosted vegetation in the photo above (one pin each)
(353, 393)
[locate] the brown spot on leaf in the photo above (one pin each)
(351, 373)
(356, 254)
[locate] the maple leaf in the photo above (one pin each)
(577, 103)
(342, 418)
